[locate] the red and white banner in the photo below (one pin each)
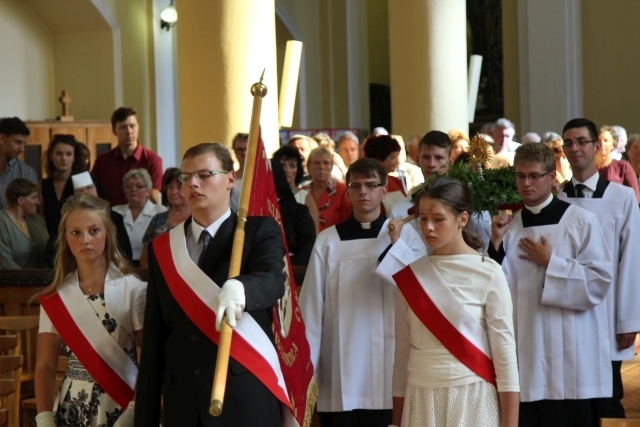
(79, 327)
(288, 326)
(445, 317)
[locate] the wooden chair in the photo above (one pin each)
(8, 344)
(619, 422)
(26, 328)
(29, 405)
(10, 371)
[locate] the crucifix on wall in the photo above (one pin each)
(65, 100)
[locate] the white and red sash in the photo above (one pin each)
(80, 328)
(445, 317)
(195, 292)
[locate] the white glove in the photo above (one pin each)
(45, 419)
(126, 418)
(230, 301)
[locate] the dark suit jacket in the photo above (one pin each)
(178, 360)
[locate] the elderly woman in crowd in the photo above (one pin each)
(325, 193)
(178, 212)
(339, 170)
(139, 210)
(619, 171)
(23, 233)
(386, 149)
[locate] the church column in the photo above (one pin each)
(428, 64)
(223, 46)
(550, 55)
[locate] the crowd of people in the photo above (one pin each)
(418, 311)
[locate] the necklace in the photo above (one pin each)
(88, 288)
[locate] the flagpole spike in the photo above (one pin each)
(259, 88)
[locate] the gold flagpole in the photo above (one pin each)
(258, 90)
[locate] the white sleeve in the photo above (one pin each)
(403, 346)
(45, 323)
(499, 318)
(628, 292)
(138, 302)
(312, 298)
(408, 248)
(400, 209)
(581, 282)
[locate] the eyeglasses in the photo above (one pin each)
(533, 177)
(135, 186)
(581, 142)
(200, 176)
(368, 185)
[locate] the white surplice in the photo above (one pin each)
(562, 332)
(619, 216)
(349, 315)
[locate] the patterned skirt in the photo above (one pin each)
(473, 404)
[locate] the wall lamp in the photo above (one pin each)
(168, 17)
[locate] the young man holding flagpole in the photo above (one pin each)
(190, 292)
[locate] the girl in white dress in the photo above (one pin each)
(88, 267)
(431, 385)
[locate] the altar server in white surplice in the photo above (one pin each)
(617, 209)
(348, 304)
(558, 267)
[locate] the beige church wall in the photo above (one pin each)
(43, 60)
(611, 61)
(134, 18)
(84, 68)
(27, 76)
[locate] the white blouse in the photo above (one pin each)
(480, 285)
(137, 228)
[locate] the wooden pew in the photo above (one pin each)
(18, 287)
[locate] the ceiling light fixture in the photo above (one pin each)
(168, 17)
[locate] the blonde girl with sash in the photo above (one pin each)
(455, 359)
(92, 313)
